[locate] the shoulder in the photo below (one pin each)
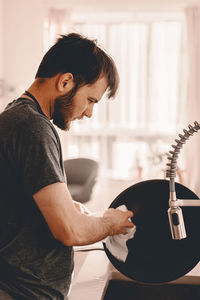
(21, 121)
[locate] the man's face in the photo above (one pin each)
(78, 103)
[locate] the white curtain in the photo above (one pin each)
(54, 25)
(193, 101)
(150, 59)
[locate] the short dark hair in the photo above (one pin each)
(76, 54)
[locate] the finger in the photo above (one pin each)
(87, 212)
(130, 225)
(130, 213)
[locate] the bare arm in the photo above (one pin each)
(81, 208)
(72, 227)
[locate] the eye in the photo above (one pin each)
(92, 100)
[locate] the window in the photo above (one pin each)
(131, 133)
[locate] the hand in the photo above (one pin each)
(81, 208)
(119, 220)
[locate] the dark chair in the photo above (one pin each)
(81, 176)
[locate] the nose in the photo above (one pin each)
(88, 111)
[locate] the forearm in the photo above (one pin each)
(72, 227)
(87, 230)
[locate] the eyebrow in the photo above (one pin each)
(93, 99)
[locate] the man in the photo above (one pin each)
(39, 222)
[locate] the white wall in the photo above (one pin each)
(22, 43)
(1, 50)
(1, 38)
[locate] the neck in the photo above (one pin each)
(43, 94)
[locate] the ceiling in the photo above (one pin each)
(123, 5)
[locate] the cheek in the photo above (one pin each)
(82, 107)
(80, 104)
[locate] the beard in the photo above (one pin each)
(63, 109)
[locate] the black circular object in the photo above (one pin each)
(153, 256)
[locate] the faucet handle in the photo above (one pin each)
(176, 222)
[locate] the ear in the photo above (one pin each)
(65, 82)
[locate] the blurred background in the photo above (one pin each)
(156, 47)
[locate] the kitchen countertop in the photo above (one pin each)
(93, 271)
(91, 274)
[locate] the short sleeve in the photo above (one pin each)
(37, 154)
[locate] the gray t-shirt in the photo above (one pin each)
(33, 264)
